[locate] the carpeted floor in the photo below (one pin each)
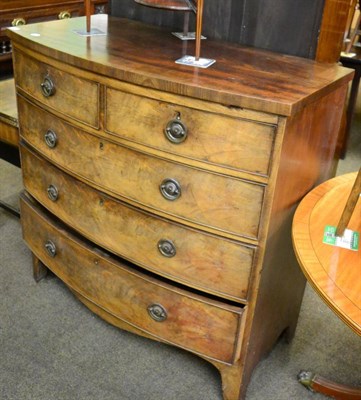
(53, 348)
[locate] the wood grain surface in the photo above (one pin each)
(211, 137)
(206, 262)
(73, 96)
(193, 322)
(207, 200)
(334, 272)
(243, 77)
(9, 132)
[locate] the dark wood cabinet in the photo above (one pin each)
(21, 12)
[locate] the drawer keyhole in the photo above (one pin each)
(47, 87)
(176, 131)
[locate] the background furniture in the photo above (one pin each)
(312, 29)
(9, 133)
(17, 13)
(334, 272)
(353, 62)
(140, 214)
(9, 130)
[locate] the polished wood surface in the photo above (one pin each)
(332, 31)
(221, 267)
(350, 206)
(234, 214)
(9, 132)
(74, 96)
(193, 322)
(327, 387)
(18, 12)
(168, 4)
(334, 272)
(146, 120)
(279, 84)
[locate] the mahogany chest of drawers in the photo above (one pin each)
(163, 195)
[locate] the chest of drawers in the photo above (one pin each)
(163, 195)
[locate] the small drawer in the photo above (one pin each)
(67, 94)
(185, 319)
(206, 262)
(33, 13)
(204, 136)
(189, 195)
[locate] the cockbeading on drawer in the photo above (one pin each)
(197, 197)
(162, 311)
(201, 135)
(57, 90)
(206, 262)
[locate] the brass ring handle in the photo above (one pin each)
(176, 131)
(170, 189)
(47, 87)
(50, 248)
(167, 248)
(64, 15)
(50, 138)
(53, 193)
(18, 22)
(157, 312)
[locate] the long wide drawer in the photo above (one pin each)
(214, 201)
(167, 313)
(196, 134)
(65, 93)
(206, 262)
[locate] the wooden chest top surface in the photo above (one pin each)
(145, 55)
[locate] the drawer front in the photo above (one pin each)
(203, 261)
(179, 317)
(200, 135)
(221, 203)
(65, 93)
(46, 12)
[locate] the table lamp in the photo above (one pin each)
(186, 5)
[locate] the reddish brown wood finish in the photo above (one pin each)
(329, 388)
(333, 271)
(202, 261)
(350, 206)
(332, 32)
(180, 5)
(224, 205)
(74, 96)
(243, 77)
(9, 132)
(335, 390)
(87, 15)
(193, 322)
(299, 101)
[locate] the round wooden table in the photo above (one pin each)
(334, 272)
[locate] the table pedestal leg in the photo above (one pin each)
(321, 385)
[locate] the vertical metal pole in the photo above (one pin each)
(199, 28)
